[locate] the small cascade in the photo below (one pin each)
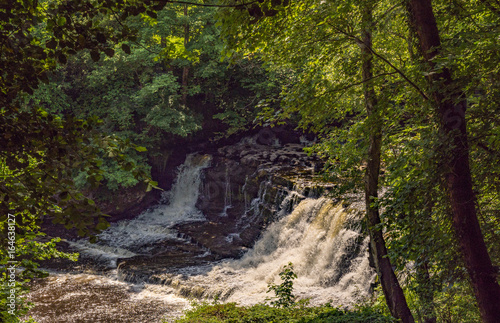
(253, 209)
(137, 236)
(227, 194)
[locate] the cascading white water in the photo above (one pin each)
(314, 238)
(227, 194)
(330, 259)
(321, 239)
(131, 237)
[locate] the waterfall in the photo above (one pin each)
(131, 237)
(330, 259)
(321, 239)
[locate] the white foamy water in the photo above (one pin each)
(330, 259)
(131, 237)
(321, 239)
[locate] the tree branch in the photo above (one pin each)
(358, 83)
(359, 41)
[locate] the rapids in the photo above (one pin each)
(322, 240)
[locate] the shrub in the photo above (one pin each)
(261, 313)
(284, 291)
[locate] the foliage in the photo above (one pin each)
(139, 95)
(284, 308)
(284, 292)
(230, 312)
(320, 42)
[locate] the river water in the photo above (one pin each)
(320, 238)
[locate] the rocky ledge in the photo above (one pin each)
(247, 186)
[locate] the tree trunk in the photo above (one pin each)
(450, 107)
(185, 70)
(392, 290)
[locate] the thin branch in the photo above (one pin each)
(400, 73)
(360, 42)
(357, 83)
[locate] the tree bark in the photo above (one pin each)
(451, 104)
(392, 290)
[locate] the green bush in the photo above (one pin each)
(284, 291)
(231, 313)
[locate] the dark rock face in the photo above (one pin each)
(242, 191)
(251, 150)
(244, 188)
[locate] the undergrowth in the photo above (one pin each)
(232, 313)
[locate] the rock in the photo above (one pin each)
(242, 191)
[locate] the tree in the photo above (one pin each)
(390, 285)
(312, 39)
(40, 152)
(450, 104)
(335, 79)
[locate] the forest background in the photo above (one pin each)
(403, 95)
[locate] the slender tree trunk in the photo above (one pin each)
(392, 290)
(185, 70)
(451, 105)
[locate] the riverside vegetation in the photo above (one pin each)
(282, 308)
(403, 95)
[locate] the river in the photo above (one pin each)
(321, 238)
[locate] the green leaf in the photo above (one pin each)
(61, 21)
(82, 40)
(101, 226)
(128, 166)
